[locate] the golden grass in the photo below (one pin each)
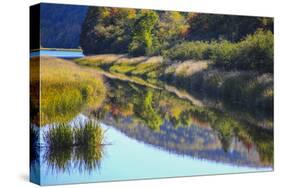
(188, 68)
(66, 89)
(99, 60)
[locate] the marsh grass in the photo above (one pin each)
(245, 89)
(138, 66)
(88, 158)
(188, 68)
(122, 68)
(104, 61)
(59, 136)
(88, 135)
(81, 144)
(58, 159)
(67, 89)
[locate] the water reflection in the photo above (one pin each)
(84, 159)
(162, 120)
(63, 147)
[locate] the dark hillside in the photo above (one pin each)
(61, 25)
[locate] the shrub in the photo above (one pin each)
(255, 52)
(188, 50)
(222, 53)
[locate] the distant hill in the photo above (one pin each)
(61, 25)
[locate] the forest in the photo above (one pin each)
(231, 42)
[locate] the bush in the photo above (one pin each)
(255, 52)
(188, 50)
(222, 53)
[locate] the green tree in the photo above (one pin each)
(107, 30)
(148, 113)
(142, 40)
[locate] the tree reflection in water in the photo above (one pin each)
(162, 119)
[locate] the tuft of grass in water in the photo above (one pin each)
(82, 143)
(59, 136)
(88, 135)
(88, 158)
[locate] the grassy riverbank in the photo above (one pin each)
(248, 89)
(144, 67)
(66, 89)
(245, 89)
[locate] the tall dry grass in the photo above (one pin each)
(66, 89)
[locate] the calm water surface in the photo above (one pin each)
(152, 133)
(58, 53)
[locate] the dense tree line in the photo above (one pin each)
(233, 28)
(138, 32)
(148, 32)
